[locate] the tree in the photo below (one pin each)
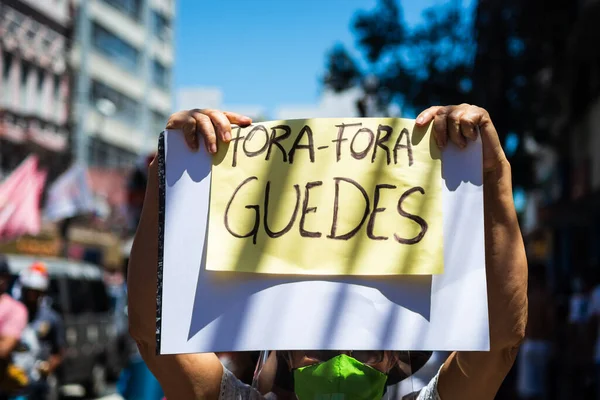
(415, 68)
(505, 57)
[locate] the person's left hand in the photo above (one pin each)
(461, 124)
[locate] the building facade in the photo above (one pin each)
(34, 83)
(122, 59)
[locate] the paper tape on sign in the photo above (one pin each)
(201, 310)
(327, 197)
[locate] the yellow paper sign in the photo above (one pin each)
(327, 197)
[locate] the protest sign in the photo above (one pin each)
(327, 197)
(204, 310)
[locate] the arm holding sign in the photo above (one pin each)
(478, 375)
(465, 375)
(184, 376)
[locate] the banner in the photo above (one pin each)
(20, 196)
(327, 197)
(202, 309)
(70, 195)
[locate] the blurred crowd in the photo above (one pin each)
(32, 334)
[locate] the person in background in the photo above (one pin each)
(136, 382)
(579, 340)
(13, 320)
(536, 350)
(594, 325)
(43, 343)
(136, 190)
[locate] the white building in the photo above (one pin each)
(212, 97)
(34, 82)
(122, 59)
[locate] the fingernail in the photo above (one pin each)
(213, 148)
(227, 136)
(420, 120)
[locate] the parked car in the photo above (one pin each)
(78, 293)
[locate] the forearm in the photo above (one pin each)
(184, 376)
(506, 263)
(143, 261)
(482, 373)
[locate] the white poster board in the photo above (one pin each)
(208, 311)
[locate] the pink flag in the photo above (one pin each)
(24, 170)
(20, 212)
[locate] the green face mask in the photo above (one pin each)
(339, 378)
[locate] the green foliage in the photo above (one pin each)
(503, 57)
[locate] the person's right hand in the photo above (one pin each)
(212, 125)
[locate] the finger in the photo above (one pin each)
(238, 119)
(221, 124)
(440, 126)
(189, 132)
(453, 122)
(468, 127)
(177, 120)
(205, 128)
(491, 146)
(427, 116)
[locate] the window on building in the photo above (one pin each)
(117, 49)
(104, 154)
(160, 26)
(26, 68)
(160, 75)
(41, 76)
(130, 7)
(6, 95)
(127, 109)
(7, 65)
(56, 100)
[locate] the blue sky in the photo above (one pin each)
(267, 52)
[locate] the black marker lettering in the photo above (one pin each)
(276, 139)
(254, 231)
(362, 154)
(250, 136)
(420, 221)
(310, 146)
(379, 142)
(306, 209)
(346, 236)
(371, 224)
(340, 139)
(287, 228)
(236, 141)
(407, 146)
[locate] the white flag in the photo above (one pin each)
(70, 195)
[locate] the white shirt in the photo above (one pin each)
(233, 389)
